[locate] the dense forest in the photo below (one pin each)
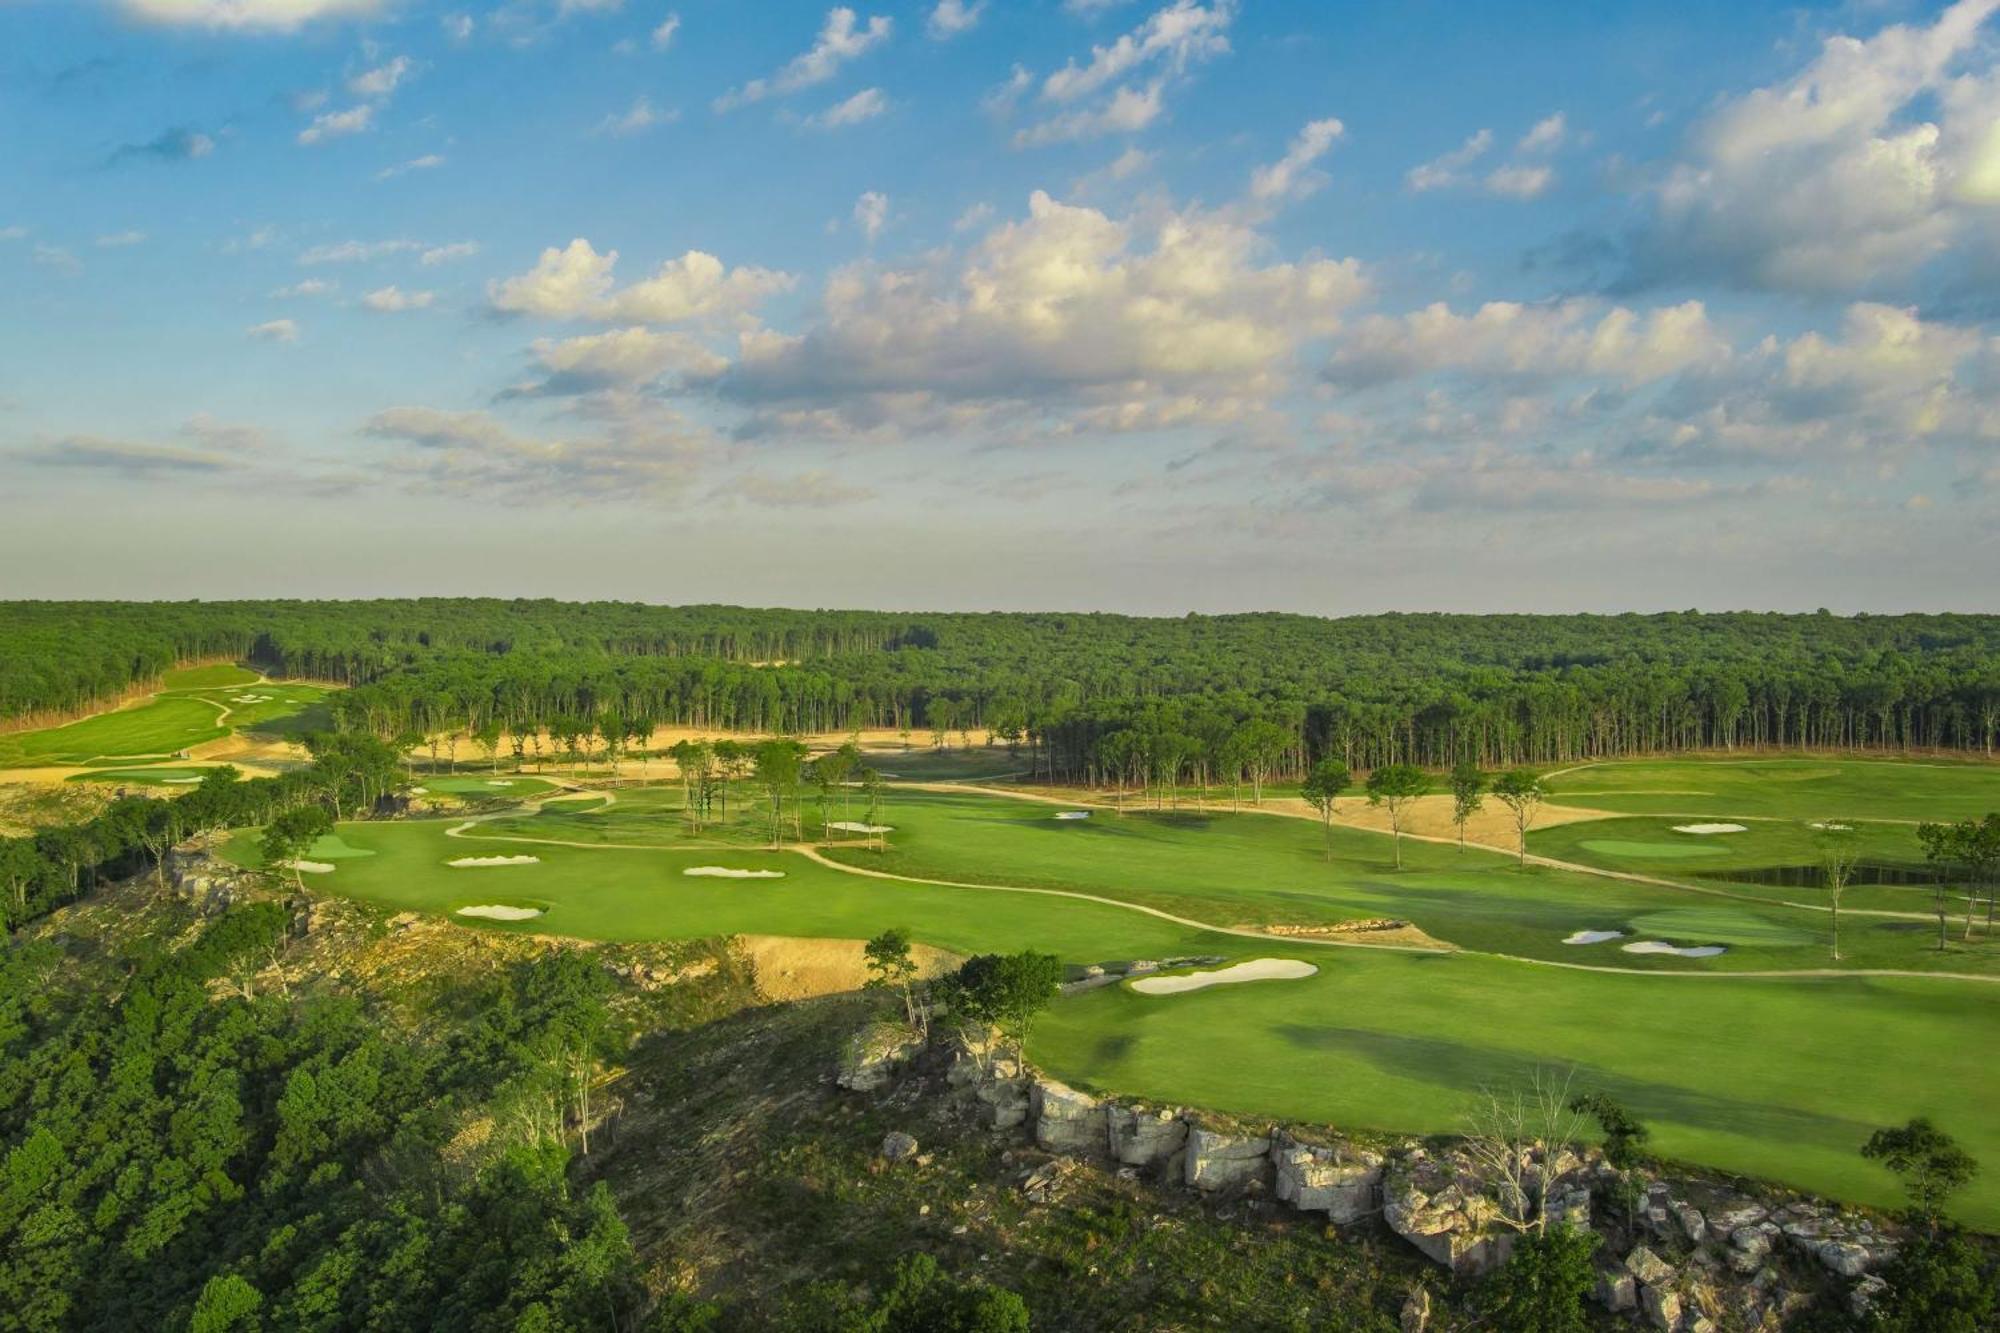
(1427, 689)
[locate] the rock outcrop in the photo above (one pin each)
(1217, 1160)
(1341, 1181)
(1067, 1121)
(1144, 1136)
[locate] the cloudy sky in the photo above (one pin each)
(1151, 305)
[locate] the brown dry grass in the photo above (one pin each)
(789, 968)
(1430, 817)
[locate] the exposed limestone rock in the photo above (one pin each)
(1140, 1137)
(1693, 1225)
(1003, 1103)
(1862, 1299)
(898, 1146)
(1648, 1267)
(1416, 1316)
(1437, 1206)
(1616, 1291)
(1662, 1306)
(1067, 1120)
(875, 1053)
(1217, 1161)
(1338, 1181)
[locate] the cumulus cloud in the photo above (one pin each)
(1875, 159)
(382, 80)
(641, 116)
(663, 35)
(445, 254)
(1547, 135)
(125, 458)
(338, 124)
(1518, 181)
(951, 18)
(1571, 337)
(1291, 176)
(1447, 170)
(640, 452)
(249, 15)
(871, 213)
(119, 240)
(576, 282)
(625, 357)
(1067, 304)
(1096, 95)
(428, 162)
(394, 300)
(864, 105)
(275, 331)
(179, 144)
(841, 38)
(309, 287)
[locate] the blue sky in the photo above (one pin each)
(1150, 305)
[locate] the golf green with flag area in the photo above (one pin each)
(193, 706)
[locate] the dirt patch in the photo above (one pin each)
(1381, 931)
(789, 968)
(1430, 817)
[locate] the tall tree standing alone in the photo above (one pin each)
(1945, 848)
(892, 966)
(1394, 786)
(1521, 791)
(1467, 787)
(291, 835)
(1839, 851)
(1321, 789)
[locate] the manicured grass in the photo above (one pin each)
(1800, 789)
(1778, 1079)
(215, 676)
(1620, 848)
(923, 764)
(505, 786)
(163, 725)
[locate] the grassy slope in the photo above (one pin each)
(1799, 789)
(183, 715)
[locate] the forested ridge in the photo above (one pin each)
(1429, 689)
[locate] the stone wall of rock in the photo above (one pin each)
(1684, 1256)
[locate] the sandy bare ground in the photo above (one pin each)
(1430, 817)
(789, 968)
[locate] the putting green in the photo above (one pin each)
(162, 726)
(159, 777)
(1651, 851)
(1718, 925)
(492, 787)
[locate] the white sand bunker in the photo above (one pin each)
(499, 782)
(849, 826)
(1593, 936)
(496, 912)
(1710, 828)
(472, 862)
(309, 867)
(1661, 946)
(1830, 827)
(420, 791)
(1072, 814)
(1258, 969)
(176, 782)
(728, 872)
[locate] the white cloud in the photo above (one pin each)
(1291, 176)
(249, 15)
(445, 254)
(871, 213)
(641, 116)
(309, 287)
(628, 356)
(576, 283)
(1128, 111)
(13, 233)
(1547, 135)
(564, 8)
(334, 124)
(978, 215)
(144, 461)
(355, 252)
(1504, 338)
(1440, 172)
(275, 331)
(950, 18)
(663, 36)
(120, 239)
(1177, 36)
(394, 300)
(1520, 182)
(643, 451)
(1065, 304)
(428, 162)
(458, 27)
(383, 80)
(864, 105)
(1873, 160)
(840, 40)
(58, 258)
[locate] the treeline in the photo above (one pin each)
(56, 865)
(1426, 689)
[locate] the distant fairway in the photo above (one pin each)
(166, 775)
(195, 706)
(1801, 789)
(1780, 1078)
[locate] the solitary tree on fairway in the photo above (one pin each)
(1322, 787)
(1004, 992)
(1929, 1162)
(1394, 786)
(1839, 851)
(1945, 847)
(1521, 791)
(778, 769)
(1467, 786)
(291, 835)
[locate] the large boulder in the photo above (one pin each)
(1338, 1181)
(1662, 1306)
(1217, 1161)
(1616, 1291)
(1648, 1267)
(875, 1053)
(1438, 1206)
(1002, 1104)
(1139, 1136)
(1067, 1121)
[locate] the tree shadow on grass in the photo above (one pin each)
(1466, 1069)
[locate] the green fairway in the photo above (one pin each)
(214, 676)
(163, 776)
(1799, 789)
(1649, 851)
(198, 705)
(1781, 1079)
(493, 786)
